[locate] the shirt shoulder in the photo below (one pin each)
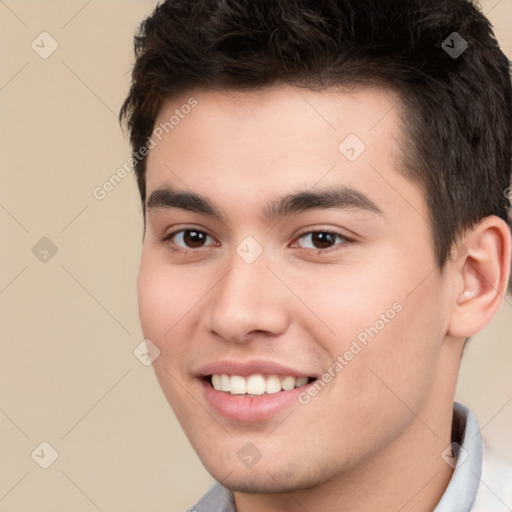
(495, 489)
(216, 499)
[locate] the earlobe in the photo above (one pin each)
(482, 277)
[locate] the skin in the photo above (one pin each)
(372, 438)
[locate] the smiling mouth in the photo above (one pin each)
(257, 384)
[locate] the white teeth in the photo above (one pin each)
(238, 385)
(301, 381)
(273, 384)
(288, 383)
(255, 385)
(224, 382)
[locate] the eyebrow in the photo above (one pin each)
(341, 197)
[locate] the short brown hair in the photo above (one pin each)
(458, 108)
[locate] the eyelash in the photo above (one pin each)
(345, 241)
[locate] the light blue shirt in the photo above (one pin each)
(478, 483)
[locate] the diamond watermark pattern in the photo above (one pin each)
(249, 455)
(146, 352)
(455, 455)
(454, 45)
(44, 455)
(44, 45)
(352, 147)
(249, 250)
(44, 250)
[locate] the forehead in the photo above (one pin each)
(254, 117)
(241, 146)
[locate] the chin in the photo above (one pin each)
(266, 479)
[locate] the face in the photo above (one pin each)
(288, 279)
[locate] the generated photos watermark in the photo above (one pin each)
(343, 360)
(100, 192)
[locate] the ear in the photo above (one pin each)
(481, 276)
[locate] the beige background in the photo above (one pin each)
(70, 324)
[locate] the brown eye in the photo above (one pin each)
(194, 238)
(321, 240)
(189, 239)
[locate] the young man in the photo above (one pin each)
(325, 189)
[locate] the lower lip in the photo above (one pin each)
(247, 408)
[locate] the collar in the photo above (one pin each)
(467, 446)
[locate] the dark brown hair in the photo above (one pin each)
(457, 101)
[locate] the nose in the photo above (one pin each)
(248, 302)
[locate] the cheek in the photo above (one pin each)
(164, 297)
(154, 301)
(384, 334)
(346, 301)
(401, 360)
(164, 300)
(164, 291)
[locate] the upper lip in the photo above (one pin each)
(247, 368)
